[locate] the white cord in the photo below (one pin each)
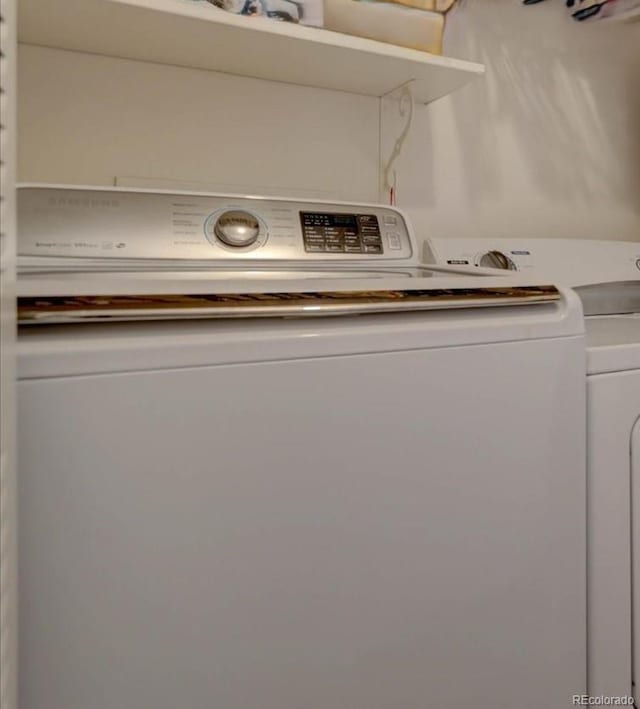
(405, 107)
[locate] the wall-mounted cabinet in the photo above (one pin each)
(204, 37)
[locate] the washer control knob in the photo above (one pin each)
(496, 259)
(237, 228)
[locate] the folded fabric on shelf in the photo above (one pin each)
(386, 22)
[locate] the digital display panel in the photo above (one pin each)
(326, 232)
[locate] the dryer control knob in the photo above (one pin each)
(496, 259)
(237, 228)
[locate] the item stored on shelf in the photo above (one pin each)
(607, 9)
(386, 22)
(431, 5)
(304, 12)
(581, 10)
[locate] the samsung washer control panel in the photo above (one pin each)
(120, 223)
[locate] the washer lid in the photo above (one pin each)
(96, 306)
(42, 269)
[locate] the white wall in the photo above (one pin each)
(91, 119)
(547, 145)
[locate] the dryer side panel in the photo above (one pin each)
(612, 492)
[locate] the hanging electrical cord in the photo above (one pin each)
(405, 107)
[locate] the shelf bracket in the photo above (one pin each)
(396, 113)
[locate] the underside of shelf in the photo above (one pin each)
(204, 37)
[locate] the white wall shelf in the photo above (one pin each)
(204, 37)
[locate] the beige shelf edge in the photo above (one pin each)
(204, 37)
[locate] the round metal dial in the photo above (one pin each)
(496, 259)
(237, 228)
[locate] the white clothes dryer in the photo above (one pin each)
(606, 275)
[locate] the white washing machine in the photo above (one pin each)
(607, 276)
(230, 499)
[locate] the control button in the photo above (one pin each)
(390, 220)
(368, 223)
(237, 228)
(638, 263)
(394, 240)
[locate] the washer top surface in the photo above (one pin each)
(613, 343)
